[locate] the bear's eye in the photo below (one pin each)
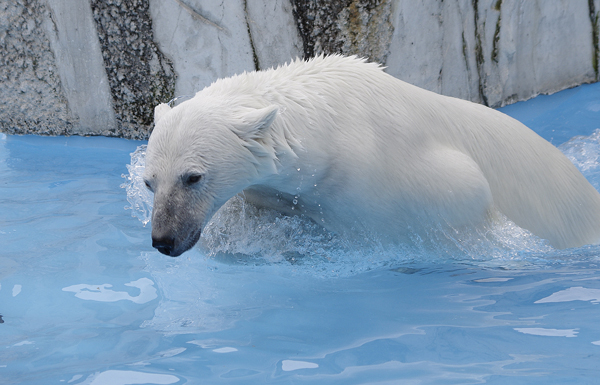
(193, 179)
(148, 186)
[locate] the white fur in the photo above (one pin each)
(357, 148)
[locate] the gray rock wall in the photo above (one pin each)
(69, 28)
(138, 73)
(29, 77)
(98, 67)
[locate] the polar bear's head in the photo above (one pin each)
(200, 154)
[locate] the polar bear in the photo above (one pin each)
(340, 141)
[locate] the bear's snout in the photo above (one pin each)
(164, 244)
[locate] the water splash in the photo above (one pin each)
(240, 233)
(584, 152)
(138, 196)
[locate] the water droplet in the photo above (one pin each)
(295, 201)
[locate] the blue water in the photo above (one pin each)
(84, 299)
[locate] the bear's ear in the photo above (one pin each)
(160, 111)
(256, 121)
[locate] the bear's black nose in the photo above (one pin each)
(164, 244)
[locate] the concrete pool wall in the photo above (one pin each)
(98, 67)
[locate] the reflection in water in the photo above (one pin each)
(549, 332)
(129, 377)
(102, 292)
(289, 365)
(573, 294)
